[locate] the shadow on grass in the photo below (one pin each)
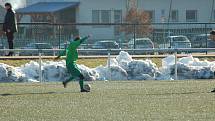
(41, 93)
(166, 94)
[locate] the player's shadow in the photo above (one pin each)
(40, 93)
(166, 94)
(183, 93)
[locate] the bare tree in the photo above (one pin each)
(139, 17)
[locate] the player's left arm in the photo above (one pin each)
(75, 44)
(84, 39)
(62, 53)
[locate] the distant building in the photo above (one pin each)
(182, 10)
(113, 11)
(2, 14)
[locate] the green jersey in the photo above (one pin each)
(71, 51)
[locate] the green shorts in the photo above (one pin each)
(73, 69)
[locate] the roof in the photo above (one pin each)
(47, 7)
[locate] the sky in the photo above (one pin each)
(15, 3)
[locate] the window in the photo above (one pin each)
(105, 16)
(117, 16)
(162, 13)
(174, 15)
(191, 15)
(117, 19)
(213, 17)
(101, 16)
(95, 16)
(131, 4)
(151, 14)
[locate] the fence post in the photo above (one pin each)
(176, 67)
(40, 67)
(109, 65)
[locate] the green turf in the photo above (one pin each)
(109, 101)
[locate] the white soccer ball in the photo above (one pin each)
(87, 87)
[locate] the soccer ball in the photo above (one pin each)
(87, 87)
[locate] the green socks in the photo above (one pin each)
(81, 83)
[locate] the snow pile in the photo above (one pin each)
(89, 74)
(53, 71)
(115, 68)
(142, 70)
(168, 61)
(123, 59)
(113, 73)
(123, 67)
(9, 74)
(189, 68)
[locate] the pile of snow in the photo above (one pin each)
(189, 68)
(53, 71)
(142, 70)
(9, 74)
(123, 67)
(89, 74)
(198, 69)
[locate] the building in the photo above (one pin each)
(2, 14)
(182, 10)
(113, 11)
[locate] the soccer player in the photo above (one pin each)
(212, 37)
(71, 58)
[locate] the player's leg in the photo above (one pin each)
(67, 81)
(69, 69)
(81, 83)
(77, 73)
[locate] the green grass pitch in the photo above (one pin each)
(109, 101)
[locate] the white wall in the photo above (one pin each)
(202, 6)
(2, 14)
(85, 16)
(84, 12)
